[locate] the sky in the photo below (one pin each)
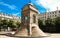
(14, 7)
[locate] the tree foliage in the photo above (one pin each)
(51, 25)
(5, 23)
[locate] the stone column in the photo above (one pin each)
(29, 30)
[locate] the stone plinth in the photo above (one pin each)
(34, 30)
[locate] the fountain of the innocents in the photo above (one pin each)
(29, 22)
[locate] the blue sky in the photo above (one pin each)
(14, 6)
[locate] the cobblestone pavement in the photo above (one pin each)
(52, 36)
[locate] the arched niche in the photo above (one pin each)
(34, 18)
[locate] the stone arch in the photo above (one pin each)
(25, 18)
(34, 18)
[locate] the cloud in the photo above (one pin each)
(49, 4)
(12, 7)
(16, 13)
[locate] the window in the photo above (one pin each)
(53, 12)
(50, 12)
(55, 15)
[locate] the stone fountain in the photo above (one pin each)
(29, 22)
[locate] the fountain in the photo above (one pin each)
(29, 22)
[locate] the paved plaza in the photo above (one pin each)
(55, 35)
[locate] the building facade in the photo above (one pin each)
(8, 17)
(52, 14)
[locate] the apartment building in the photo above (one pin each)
(52, 14)
(7, 16)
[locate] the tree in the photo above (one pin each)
(50, 25)
(12, 24)
(19, 24)
(41, 24)
(0, 23)
(5, 23)
(48, 22)
(57, 23)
